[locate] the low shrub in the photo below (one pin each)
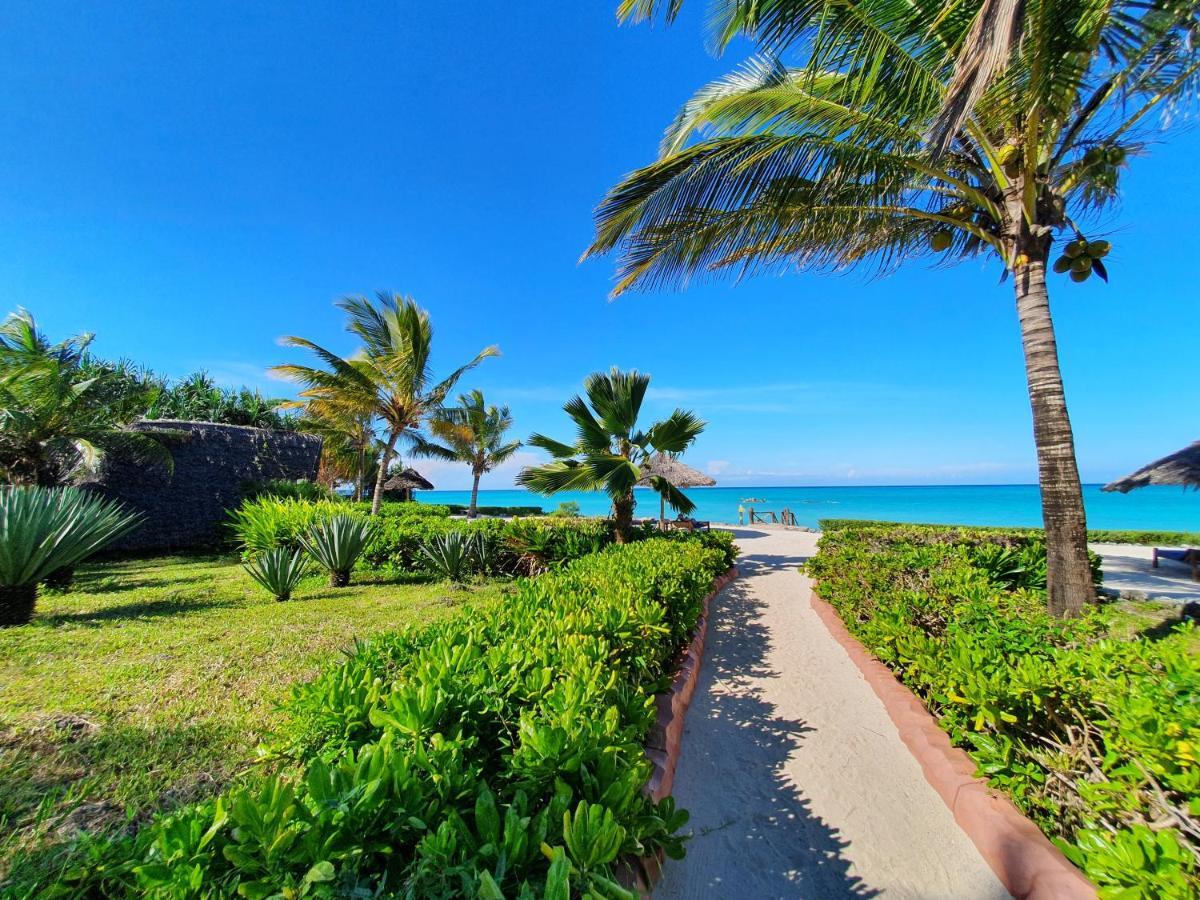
(568, 509)
(497, 754)
(458, 509)
(1099, 536)
(1093, 737)
(284, 489)
(278, 571)
(267, 523)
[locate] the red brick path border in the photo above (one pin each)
(1024, 860)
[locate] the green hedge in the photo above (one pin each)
(495, 755)
(515, 547)
(458, 509)
(1100, 536)
(1095, 738)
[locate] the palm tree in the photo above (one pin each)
(389, 379)
(982, 127)
(349, 445)
(609, 448)
(471, 433)
(61, 411)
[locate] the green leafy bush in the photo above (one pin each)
(284, 489)
(496, 754)
(1100, 536)
(568, 509)
(44, 531)
(1095, 738)
(337, 543)
(278, 571)
(267, 523)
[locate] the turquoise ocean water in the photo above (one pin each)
(1158, 508)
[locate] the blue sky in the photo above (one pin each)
(192, 181)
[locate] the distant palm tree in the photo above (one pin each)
(983, 127)
(610, 449)
(349, 446)
(61, 411)
(471, 433)
(389, 379)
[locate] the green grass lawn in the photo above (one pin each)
(152, 681)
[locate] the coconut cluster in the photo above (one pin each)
(1081, 257)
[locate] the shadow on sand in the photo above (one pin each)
(754, 832)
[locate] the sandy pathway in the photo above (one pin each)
(795, 777)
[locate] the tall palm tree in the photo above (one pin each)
(471, 433)
(389, 379)
(978, 127)
(609, 448)
(61, 411)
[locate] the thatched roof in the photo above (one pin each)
(408, 480)
(1182, 467)
(674, 471)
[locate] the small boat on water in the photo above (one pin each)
(752, 500)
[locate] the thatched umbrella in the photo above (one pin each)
(407, 481)
(678, 474)
(1180, 468)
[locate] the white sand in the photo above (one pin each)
(796, 779)
(1128, 573)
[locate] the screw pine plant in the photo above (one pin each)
(337, 543)
(46, 530)
(278, 571)
(870, 132)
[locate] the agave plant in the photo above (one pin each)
(337, 544)
(278, 570)
(47, 530)
(455, 555)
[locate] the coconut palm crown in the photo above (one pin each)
(472, 433)
(610, 448)
(873, 132)
(390, 379)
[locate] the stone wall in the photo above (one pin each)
(185, 506)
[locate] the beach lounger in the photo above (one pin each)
(1190, 556)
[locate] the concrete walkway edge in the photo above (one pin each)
(1023, 858)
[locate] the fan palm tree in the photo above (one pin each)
(389, 379)
(471, 433)
(976, 127)
(610, 449)
(61, 411)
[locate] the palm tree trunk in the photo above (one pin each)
(1068, 570)
(381, 476)
(623, 517)
(473, 509)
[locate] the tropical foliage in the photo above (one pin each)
(198, 398)
(610, 448)
(455, 555)
(59, 412)
(46, 530)
(874, 132)
(279, 571)
(472, 433)
(499, 754)
(389, 380)
(1092, 734)
(337, 543)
